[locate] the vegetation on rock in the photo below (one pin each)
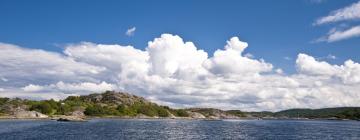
(109, 103)
(121, 104)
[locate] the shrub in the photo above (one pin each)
(181, 113)
(126, 111)
(3, 100)
(97, 110)
(162, 112)
(147, 110)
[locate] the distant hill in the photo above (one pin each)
(340, 113)
(352, 113)
(120, 104)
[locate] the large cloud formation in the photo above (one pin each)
(175, 73)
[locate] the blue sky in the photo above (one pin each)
(249, 55)
(273, 29)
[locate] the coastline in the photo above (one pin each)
(119, 105)
(56, 118)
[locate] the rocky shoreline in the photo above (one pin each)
(64, 118)
(80, 117)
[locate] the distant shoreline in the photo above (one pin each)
(183, 118)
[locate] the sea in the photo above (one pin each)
(176, 129)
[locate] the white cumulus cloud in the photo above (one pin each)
(348, 73)
(32, 88)
(170, 56)
(175, 72)
(231, 61)
(85, 86)
(35, 66)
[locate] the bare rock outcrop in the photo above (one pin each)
(115, 98)
(196, 115)
(29, 115)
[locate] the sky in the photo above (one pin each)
(249, 55)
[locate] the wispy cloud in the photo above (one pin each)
(131, 31)
(330, 56)
(337, 35)
(287, 58)
(4, 79)
(249, 55)
(347, 13)
(317, 1)
(342, 31)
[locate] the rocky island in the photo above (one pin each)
(111, 104)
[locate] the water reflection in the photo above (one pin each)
(180, 129)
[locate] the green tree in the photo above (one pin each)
(64, 108)
(43, 107)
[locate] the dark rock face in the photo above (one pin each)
(70, 119)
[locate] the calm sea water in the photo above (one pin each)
(178, 129)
